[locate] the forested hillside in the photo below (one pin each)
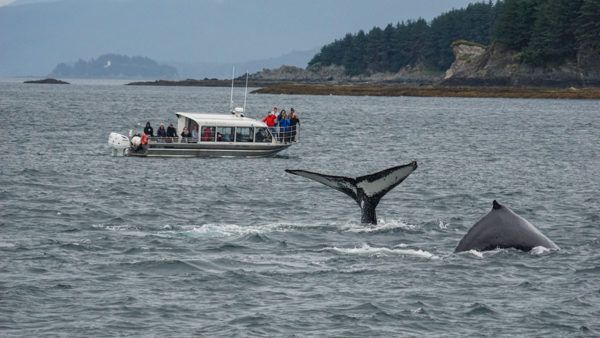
(540, 32)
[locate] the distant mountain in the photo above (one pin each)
(223, 70)
(115, 66)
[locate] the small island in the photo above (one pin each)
(115, 66)
(47, 81)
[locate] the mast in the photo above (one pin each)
(231, 96)
(246, 92)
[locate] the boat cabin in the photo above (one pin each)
(223, 128)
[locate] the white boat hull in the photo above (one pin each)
(208, 150)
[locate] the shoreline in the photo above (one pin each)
(389, 89)
(591, 93)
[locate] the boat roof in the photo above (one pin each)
(221, 119)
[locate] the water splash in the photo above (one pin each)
(366, 249)
(381, 226)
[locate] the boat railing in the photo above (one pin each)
(286, 134)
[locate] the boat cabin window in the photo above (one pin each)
(244, 134)
(225, 134)
(208, 134)
(263, 135)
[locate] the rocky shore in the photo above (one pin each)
(207, 83)
(431, 91)
(478, 71)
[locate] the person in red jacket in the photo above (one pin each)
(271, 121)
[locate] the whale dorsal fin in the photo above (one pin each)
(496, 205)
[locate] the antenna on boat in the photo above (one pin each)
(231, 97)
(246, 91)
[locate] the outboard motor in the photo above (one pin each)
(118, 142)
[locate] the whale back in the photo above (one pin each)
(503, 228)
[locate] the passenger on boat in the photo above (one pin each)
(284, 127)
(148, 130)
(144, 141)
(294, 122)
(271, 121)
(195, 134)
(207, 134)
(161, 132)
(171, 131)
(185, 135)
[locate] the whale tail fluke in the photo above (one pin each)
(366, 190)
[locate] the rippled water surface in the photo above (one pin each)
(95, 245)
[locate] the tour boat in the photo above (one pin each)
(218, 135)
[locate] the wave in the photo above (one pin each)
(209, 230)
(381, 226)
(173, 266)
(366, 249)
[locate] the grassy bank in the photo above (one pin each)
(430, 91)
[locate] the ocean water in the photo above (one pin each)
(95, 245)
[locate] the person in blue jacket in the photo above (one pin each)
(284, 127)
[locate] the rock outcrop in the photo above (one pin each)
(297, 74)
(465, 53)
(498, 66)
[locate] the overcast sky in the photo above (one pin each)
(37, 34)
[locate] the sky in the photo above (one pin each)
(35, 35)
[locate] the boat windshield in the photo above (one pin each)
(263, 135)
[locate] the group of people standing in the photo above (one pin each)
(168, 134)
(283, 126)
(161, 132)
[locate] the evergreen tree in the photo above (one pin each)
(588, 25)
(376, 51)
(553, 34)
(514, 25)
(541, 31)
